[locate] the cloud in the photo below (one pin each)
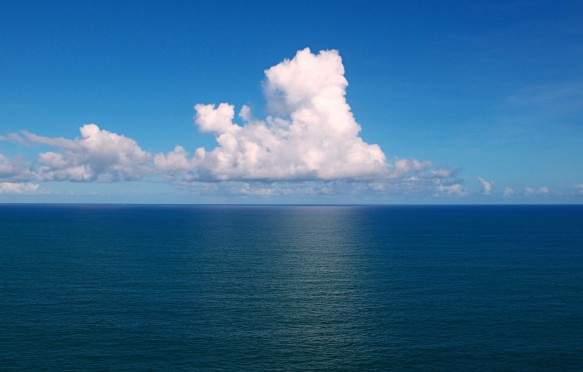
(174, 162)
(18, 188)
(450, 189)
(97, 154)
(540, 191)
(508, 192)
(309, 143)
(579, 188)
(486, 186)
(12, 169)
(311, 133)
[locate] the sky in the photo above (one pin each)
(325, 102)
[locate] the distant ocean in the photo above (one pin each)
(291, 287)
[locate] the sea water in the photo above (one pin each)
(291, 287)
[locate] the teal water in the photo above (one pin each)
(298, 287)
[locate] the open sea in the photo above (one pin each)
(113, 287)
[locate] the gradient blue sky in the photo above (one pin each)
(486, 89)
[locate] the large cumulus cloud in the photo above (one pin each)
(311, 133)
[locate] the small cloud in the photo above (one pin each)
(540, 191)
(453, 189)
(508, 192)
(579, 188)
(18, 188)
(486, 186)
(254, 189)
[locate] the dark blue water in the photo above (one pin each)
(304, 287)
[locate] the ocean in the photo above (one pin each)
(129, 287)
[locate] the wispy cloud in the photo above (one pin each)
(455, 188)
(508, 192)
(18, 188)
(564, 97)
(529, 191)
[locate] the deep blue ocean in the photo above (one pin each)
(291, 287)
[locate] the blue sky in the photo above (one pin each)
(469, 102)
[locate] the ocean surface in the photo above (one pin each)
(291, 287)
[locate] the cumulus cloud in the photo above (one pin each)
(95, 154)
(17, 188)
(486, 186)
(309, 141)
(12, 169)
(174, 162)
(311, 133)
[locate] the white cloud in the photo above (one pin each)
(311, 134)
(486, 186)
(540, 191)
(579, 188)
(254, 189)
(344, 191)
(14, 169)
(508, 192)
(174, 162)
(18, 188)
(308, 144)
(452, 189)
(97, 153)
